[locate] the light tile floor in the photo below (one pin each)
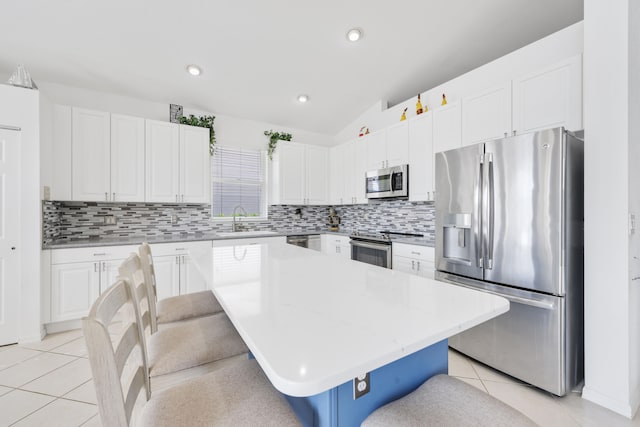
(49, 384)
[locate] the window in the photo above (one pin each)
(238, 179)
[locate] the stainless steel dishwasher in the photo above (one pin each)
(311, 241)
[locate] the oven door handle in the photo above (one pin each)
(370, 245)
(392, 185)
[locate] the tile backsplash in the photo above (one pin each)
(80, 220)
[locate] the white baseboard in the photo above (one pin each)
(623, 408)
(53, 328)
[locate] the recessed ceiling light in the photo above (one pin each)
(194, 70)
(354, 34)
(303, 98)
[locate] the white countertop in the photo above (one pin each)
(314, 321)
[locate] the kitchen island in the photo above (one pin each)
(314, 323)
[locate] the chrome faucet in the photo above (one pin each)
(238, 226)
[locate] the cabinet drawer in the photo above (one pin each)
(163, 249)
(97, 253)
(423, 253)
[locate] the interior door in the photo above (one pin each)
(9, 235)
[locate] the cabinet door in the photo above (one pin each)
(74, 288)
(195, 165)
(549, 98)
(447, 127)
(421, 157)
(317, 182)
(338, 174)
(90, 170)
(487, 115)
(191, 276)
(406, 265)
(291, 164)
(398, 144)
(376, 146)
(162, 183)
(167, 269)
(127, 158)
(109, 273)
(358, 172)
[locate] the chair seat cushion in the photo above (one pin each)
(240, 395)
(187, 306)
(447, 401)
(193, 343)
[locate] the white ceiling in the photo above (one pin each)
(257, 56)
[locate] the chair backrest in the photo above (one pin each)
(131, 268)
(146, 261)
(113, 360)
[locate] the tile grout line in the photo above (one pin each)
(46, 373)
(42, 407)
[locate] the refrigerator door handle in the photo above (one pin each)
(477, 206)
(491, 218)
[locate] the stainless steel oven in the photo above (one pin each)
(374, 250)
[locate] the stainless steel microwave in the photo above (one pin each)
(388, 182)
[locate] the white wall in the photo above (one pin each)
(611, 191)
(544, 52)
(20, 108)
(229, 130)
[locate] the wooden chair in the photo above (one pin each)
(237, 395)
(186, 344)
(176, 308)
(446, 401)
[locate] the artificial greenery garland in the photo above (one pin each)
(203, 122)
(273, 140)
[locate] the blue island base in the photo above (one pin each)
(337, 407)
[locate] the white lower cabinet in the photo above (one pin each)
(181, 268)
(337, 245)
(79, 276)
(414, 259)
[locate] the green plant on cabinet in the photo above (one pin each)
(203, 122)
(273, 140)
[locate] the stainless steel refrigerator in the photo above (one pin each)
(509, 221)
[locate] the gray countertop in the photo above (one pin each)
(196, 237)
(172, 238)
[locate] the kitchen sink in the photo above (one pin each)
(249, 233)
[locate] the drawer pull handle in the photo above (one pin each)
(99, 254)
(415, 253)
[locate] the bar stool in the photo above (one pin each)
(446, 401)
(176, 308)
(186, 344)
(237, 395)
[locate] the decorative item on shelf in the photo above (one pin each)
(403, 117)
(334, 220)
(175, 112)
(418, 106)
(366, 132)
(444, 100)
(273, 140)
(22, 78)
(203, 122)
(363, 131)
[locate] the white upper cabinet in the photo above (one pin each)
(195, 165)
(162, 162)
(388, 147)
(316, 180)
(90, 148)
(487, 115)
(447, 127)
(177, 163)
(421, 157)
(338, 174)
(299, 175)
(127, 158)
(398, 144)
(549, 98)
